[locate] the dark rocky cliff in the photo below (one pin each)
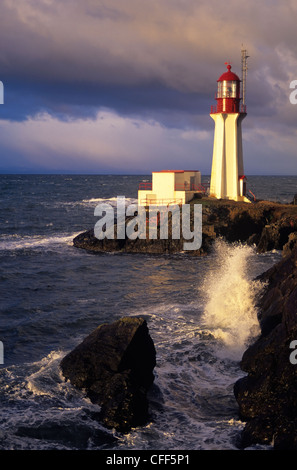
(267, 396)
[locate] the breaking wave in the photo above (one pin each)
(230, 296)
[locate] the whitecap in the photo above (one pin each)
(18, 242)
(111, 200)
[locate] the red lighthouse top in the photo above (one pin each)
(229, 76)
(228, 93)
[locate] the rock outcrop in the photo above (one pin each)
(264, 224)
(267, 396)
(114, 365)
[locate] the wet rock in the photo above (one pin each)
(276, 235)
(76, 436)
(114, 365)
(267, 395)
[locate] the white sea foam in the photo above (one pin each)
(18, 242)
(45, 377)
(91, 202)
(112, 201)
(99, 199)
(230, 311)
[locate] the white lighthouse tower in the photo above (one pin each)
(227, 174)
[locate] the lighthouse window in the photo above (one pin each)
(219, 89)
(228, 89)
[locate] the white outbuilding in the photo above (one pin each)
(170, 187)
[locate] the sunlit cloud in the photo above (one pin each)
(109, 143)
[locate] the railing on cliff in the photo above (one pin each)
(145, 185)
(161, 202)
(250, 195)
(200, 188)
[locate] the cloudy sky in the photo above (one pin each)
(125, 86)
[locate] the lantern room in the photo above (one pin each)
(228, 94)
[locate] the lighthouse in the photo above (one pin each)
(227, 173)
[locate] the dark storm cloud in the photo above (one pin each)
(130, 54)
(77, 100)
(149, 61)
(123, 55)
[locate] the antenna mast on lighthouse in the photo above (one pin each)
(244, 70)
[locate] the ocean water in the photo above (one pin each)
(200, 313)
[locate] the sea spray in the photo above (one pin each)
(230, 311)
